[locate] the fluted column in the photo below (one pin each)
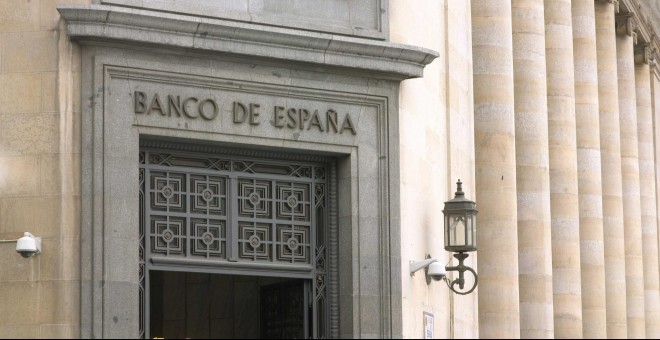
(532, 177)
(632, 213)
(495, 167)
(592, 252)
(563, 170)
(610, 152)
(647, 190)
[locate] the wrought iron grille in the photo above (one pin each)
(226, 214)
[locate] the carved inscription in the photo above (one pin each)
(303, 119)
(172, 105)
(329, 121)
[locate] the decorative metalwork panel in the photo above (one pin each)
(232, 210)
(142, 271)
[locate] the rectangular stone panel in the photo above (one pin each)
(364, 18)
(251, 109)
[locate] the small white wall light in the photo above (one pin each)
(27, 245)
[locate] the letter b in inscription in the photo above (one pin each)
(140, 102)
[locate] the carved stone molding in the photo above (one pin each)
(625, 24)
(142, 28)
(643, 53)
(653, 61)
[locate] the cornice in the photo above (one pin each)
(639, 20)
(137, 27)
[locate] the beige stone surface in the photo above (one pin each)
(20, 93)
(18, 212)
(59, 302)
(19, 15)
(655, 103)
(49, 92)
(648, 198)
(55, 171)
(18, 176)
(564, 199)
(32, 134)
(20, 302)
(19, 331)
(610, 146)
(532, 169)
(592, 252)
(631, 190)
(461, 145)
(49, 17)
(30, 51)
(39, 171)
(14, 271)
(495, 169)
(59, 331)
(422, 121)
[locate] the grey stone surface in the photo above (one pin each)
(368, 182)
(365, 18)
(139, 26)
(120, 310)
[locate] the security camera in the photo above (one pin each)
(437, 271)
(433, 268)
(28, 245)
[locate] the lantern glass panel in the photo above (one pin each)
(473, 230)
(447, 222)
(468, 229)
(457, 236)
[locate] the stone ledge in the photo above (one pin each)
(136, 26)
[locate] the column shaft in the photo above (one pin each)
(495, 167)
(610, 152)
(648, 199)
(564, 197)
(630, 178)
(592, 252)
(532, 164)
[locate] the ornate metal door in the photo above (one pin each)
(234, 215)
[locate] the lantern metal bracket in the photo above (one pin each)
(460, 281)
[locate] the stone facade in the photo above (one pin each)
(545, 109)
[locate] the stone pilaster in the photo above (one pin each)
(592, 252)
(564, 199)
(532, 166)
(632, 213)
(610, 151)
(647, 191)
(495, 169)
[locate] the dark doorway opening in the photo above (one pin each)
(207, 306)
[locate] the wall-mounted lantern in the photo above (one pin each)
(460, 238)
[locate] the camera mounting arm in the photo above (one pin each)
(415, 266)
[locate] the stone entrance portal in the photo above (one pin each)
(230, 214)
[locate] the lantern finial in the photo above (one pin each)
(459, 189)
